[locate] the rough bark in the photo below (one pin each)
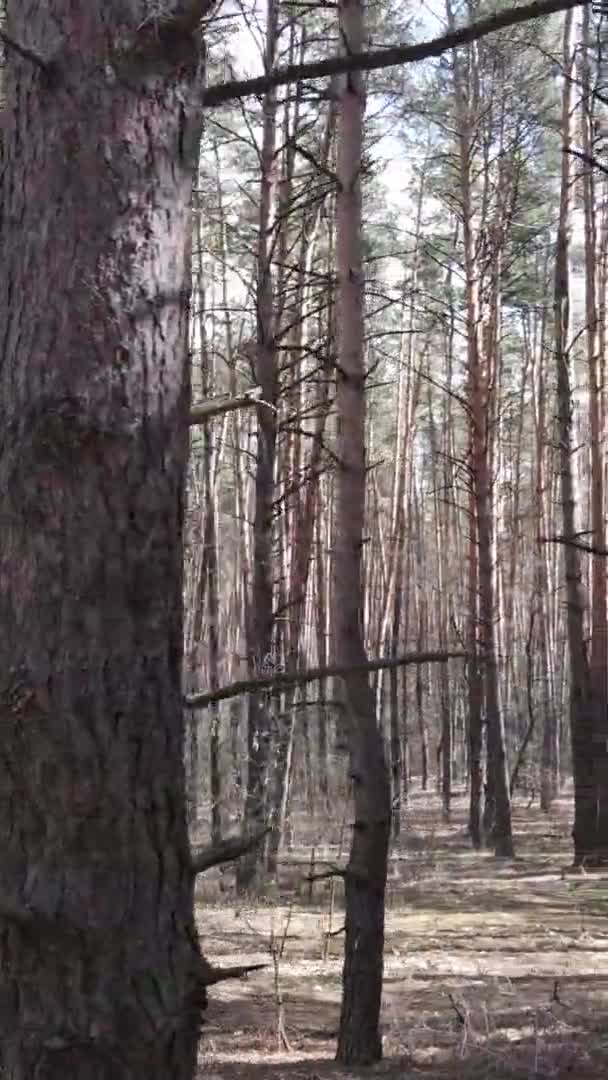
(598, 658)
(103, 977)
(359, 1039)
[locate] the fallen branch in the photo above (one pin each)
(226, 851)
(283, 679)
(218, 406)
(383, 58)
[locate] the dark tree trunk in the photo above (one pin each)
(321, 634)
(396, 716)
(446, 743)
(212, 615)
(250, 870)
(581, 709)
(98, 952)
(359, 1039)
(281, 774)
(424, 745)
(236, 712)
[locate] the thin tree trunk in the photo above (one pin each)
(397, 715)
(482, 357)
(585, 817)
(321, 641)
(359, 1039)
(209, 615)
(261, 705)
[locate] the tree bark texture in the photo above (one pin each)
(359, 1040)
(581, 711)
(100, 966)
(598, 655)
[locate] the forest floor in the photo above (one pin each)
(493, 969)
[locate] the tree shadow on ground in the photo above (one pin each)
(438, 1028)
(494, 970)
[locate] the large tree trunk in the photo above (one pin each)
(98, 952)
(359, 1040)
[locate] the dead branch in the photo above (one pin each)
(459, 1014)
(588, 159)
(213, 975)
(326, 875)
(383, 58)
(281, 679)
(226, 851)
(218, 406)
(580, 545)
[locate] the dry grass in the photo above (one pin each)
(493, 969)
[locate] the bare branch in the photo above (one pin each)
(283, 679)
(459, 1014)
(226, 851)
(327, 875)
(383, 58)
(217, 406)
(590, 549)
(215, 975)
(336, 933)
(588, 159)
(24, 51)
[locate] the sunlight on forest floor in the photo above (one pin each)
(493, 969)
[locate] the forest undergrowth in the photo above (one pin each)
(493, 969)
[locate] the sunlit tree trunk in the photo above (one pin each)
(482, 339)
(359, 1040)
(549, 767)
(581, 720)
(261, 621)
